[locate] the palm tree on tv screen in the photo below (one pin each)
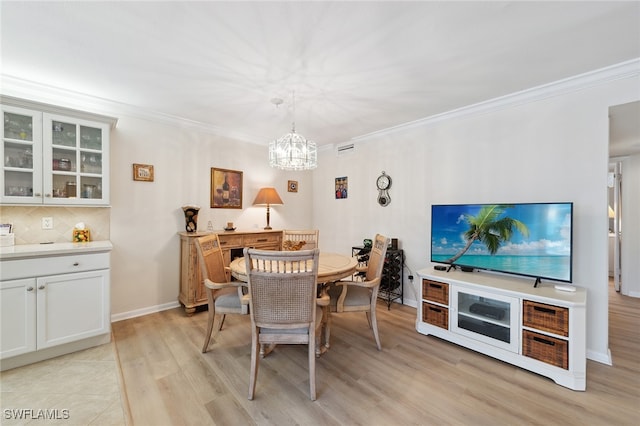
(491, 229)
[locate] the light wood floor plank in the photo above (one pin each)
(415, 379)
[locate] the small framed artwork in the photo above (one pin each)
(342, 184)
(226, 189)
(292, 186)
(143, 172)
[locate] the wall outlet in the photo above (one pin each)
(47, 223)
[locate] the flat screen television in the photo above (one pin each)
(528, 239)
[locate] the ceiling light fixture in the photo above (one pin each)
(292, 151)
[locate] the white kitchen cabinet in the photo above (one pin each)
(53, 156)
(21, 154)
(53, 302)
(63, 299)
(17, 317)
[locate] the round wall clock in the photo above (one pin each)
(383, 183)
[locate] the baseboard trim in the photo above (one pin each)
(600, 357)
(144, 311)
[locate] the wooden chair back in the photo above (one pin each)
(211, 259)
(376, 257)
(304, 239)
(282, 287)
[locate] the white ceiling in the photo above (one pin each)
(355, 67)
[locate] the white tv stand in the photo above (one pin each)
(539, 329)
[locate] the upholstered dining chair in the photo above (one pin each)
(283, 304)
(223, 295)
(361, 295)
(303, 239)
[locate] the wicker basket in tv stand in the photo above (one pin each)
(539, 329)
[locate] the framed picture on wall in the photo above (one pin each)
(292, 186)
(143, 172)
(226, 189)
(341, 187)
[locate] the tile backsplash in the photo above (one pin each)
(27, 222)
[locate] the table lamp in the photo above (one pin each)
(267, 197)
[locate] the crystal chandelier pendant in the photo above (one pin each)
(293, 151)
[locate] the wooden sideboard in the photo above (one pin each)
(192, 291)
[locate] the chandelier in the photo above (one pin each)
(292, 151)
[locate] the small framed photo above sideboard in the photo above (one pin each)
(292, 186)
(143, 172)
(226, 189)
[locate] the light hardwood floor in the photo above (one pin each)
(415, 380)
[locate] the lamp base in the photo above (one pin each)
(267, 227)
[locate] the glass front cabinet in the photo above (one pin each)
(487, 317)
(53, 159)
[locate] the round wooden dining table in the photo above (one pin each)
(331, 267)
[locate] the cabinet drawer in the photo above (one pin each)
(435, 291)
(546, 349)
(553, 319)
(436, 315)
(53, 265)
(250, 240)
(230, 240)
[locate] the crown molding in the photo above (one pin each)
(11, 86)
(572, 84)
(38, 92)
(54, 109)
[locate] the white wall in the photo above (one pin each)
(146, 216)
(550, 149)
(630, 252)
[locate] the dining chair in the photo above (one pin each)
(361, 295)
(304, 239)
(224, 296)
(283, 304)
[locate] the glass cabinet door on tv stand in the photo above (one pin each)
(486, 317)
(392, 282)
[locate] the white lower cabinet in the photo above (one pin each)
(17, 317)
(46, 315)
(63, 300)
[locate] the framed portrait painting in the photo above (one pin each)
(342, 184)
(226, 189)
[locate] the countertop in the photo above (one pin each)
(24, 251)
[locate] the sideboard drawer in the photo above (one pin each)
(230, 240)
(250, 240)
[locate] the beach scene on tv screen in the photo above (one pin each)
(527, 239)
